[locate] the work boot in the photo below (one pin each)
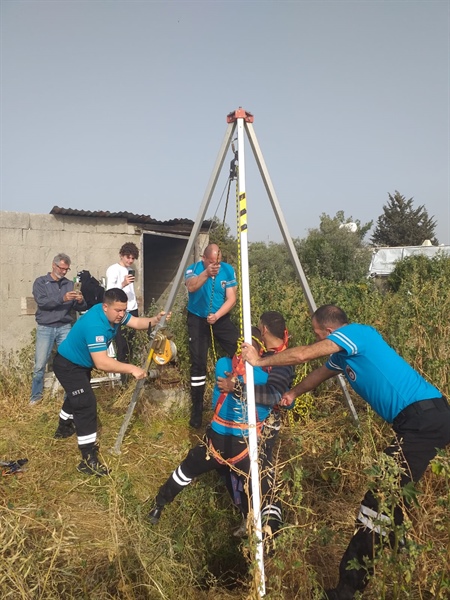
(197, 407)
(65, 429)
(195, 421)
(196, 415)
(155, 514)
(90, 465)
(342, 592)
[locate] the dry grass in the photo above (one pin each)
(63, 535)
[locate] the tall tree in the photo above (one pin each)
(272, 260)
(403, 225)
(336, 250)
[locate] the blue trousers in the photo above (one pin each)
(46, 338)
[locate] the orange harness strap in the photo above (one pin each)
(238, 369)
(227, 461)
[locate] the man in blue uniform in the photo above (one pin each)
(418, 412)
(226, 440)
(211, 285)
(85, 348)
(55, 301)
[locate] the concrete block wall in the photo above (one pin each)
(28, 243)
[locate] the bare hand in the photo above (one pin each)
(138, 373)
(127, 280)
(287, 399)
(160, 315)
(212, 269)
(211, 319)
(249, 353)
(226, 384)
(69, 296)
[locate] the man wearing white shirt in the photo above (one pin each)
(121, 275)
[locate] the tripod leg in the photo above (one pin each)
(290, 246)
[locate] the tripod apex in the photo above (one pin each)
(240, 113)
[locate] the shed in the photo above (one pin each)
(92, 239)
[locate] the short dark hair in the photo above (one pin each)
(275, 323)
(129, 248)
(330, 314)
(114, 295)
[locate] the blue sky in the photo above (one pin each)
(121, 105)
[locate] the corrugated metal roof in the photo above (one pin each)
(130, 217)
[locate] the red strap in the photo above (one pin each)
(284, 345)
(238, 366)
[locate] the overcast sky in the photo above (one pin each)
(121, 105)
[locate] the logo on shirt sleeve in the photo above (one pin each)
(350, 373)
(100, 338)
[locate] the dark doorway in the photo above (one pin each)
(162, 256)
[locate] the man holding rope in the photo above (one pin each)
(211, 286)
(418, 412)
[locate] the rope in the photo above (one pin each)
(239, 280)
(304, 404)
(232, 176)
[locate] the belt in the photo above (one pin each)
(416, 408)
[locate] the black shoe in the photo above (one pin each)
(196, 413)
(195, 421)
(91, 466)
(155, 514)
(65, 431)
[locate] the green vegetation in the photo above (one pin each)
(402, 225)
(66, 536)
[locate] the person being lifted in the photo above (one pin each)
(417, 410)
(211, 286)
(225, 444)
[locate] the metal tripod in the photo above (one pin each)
(241, 120)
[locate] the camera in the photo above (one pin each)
(131, 272)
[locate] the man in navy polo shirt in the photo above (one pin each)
(85, 348)
(417, 410)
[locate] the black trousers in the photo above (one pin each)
(225, 333)
(420, 429)
(124, 340)
(199, 461)
(80, 402)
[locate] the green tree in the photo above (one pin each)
(336, 249)
(272, 259)
(402, 225)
